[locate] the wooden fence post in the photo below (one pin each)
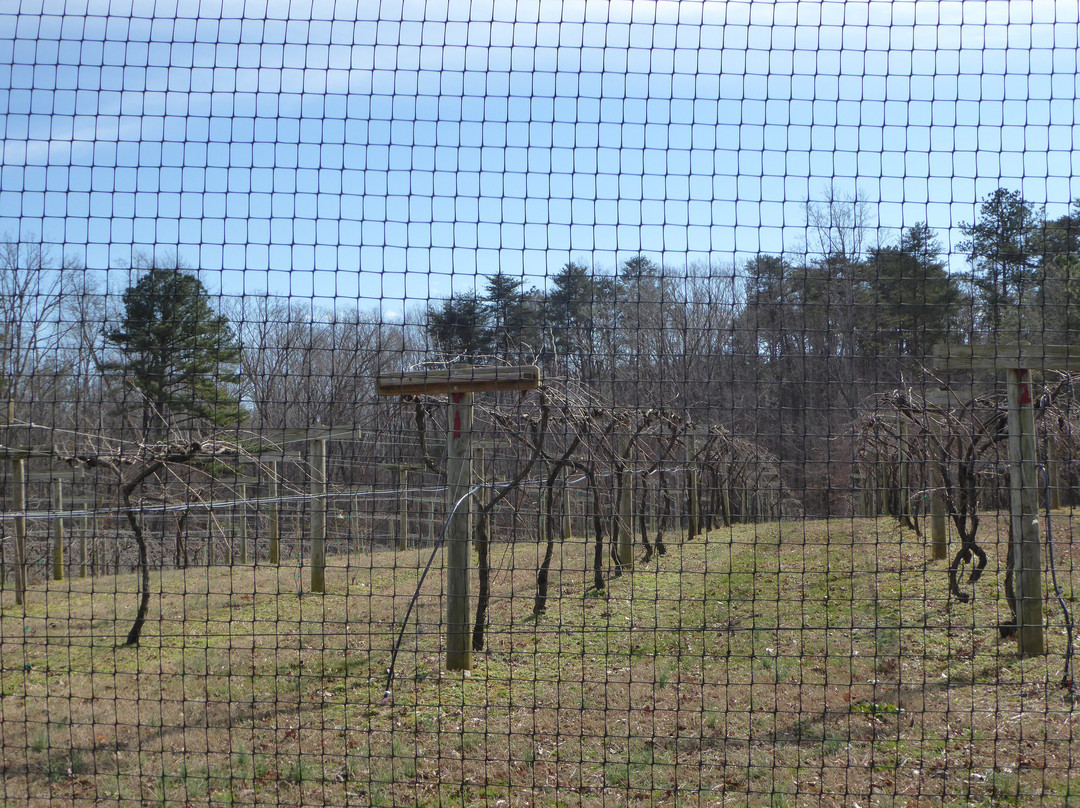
(567, 529)
(902, 476)
(18, 468)
(1053, 475)
(625, 516)
(358, 523)
(211, 541)
(274, 529)
(242, 508)
(1025, 513)
(318, 515)
(83, 545)
(19, 506)
(459, 533)
(399, 528)
(939, 534)
(58, 529)
(692, 524)
(939, 526)
(480, 471)
(403, 508)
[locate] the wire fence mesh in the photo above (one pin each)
(538, 403)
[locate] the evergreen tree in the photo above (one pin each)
(765, 327)
(579, 307)
(1005, 248)
(180, 357)
(911, 296)
(1061, 238)
(638, 268)
(511, 313)
(639, 315)
(460, 327)
(1058, 299)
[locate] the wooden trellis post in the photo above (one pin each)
(566, 528)
(939, 533)
(459, 483)
(939, 527)
(403, 508)
(1053, 473)
(625, 516)
(403, 469)
(318, 515)
(903, 477)
(725, 500)
(211, 542)
(242, 535)
(354, 524)
(459, 384)
(18, 455)
(58, 528)
(18, 504)
(480, 471)
(770, 481)
(83, 546)
(859, 486)
(692, 524)
(1018, 362)
(276, 441)
(1023, 476)
(274, 529)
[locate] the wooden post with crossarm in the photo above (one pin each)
(459, 384)
(1018, 361)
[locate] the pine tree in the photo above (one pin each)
(1005, 248)
(1058, 298)
(460, 327)
(512, 314)
(910, 297)
(579, 307)
(176, 353)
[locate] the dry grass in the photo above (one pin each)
(806, 663)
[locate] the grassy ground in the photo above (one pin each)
(803, 663)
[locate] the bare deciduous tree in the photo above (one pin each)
(31, 327)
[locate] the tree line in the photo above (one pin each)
(783, 349)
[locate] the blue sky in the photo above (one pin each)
(389, 151)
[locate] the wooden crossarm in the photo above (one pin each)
(1007, 357)
(403, 466)
(488, 379)
(26, 452)
(275, 437)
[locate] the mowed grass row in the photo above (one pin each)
(800, 663)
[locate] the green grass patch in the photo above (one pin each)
(786, 664)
